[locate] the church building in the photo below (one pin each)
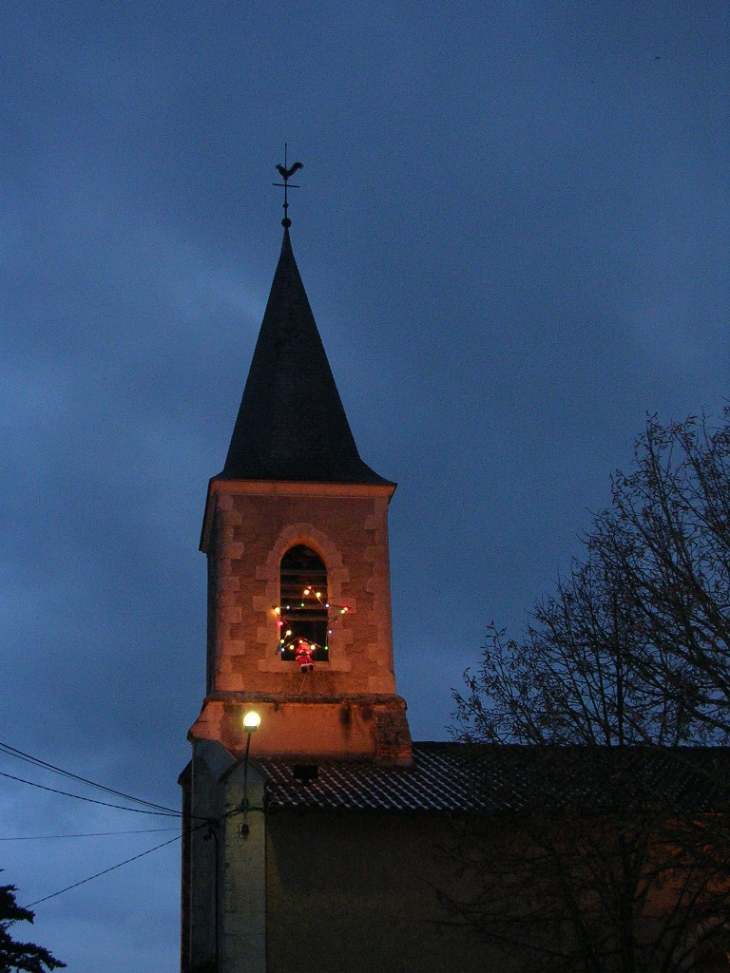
(297, 833)
(316, 835)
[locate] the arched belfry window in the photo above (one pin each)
(304, 606)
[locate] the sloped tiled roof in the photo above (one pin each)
(291, 424)
(457, 777)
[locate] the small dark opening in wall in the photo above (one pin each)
(304, 605)
(305, 772)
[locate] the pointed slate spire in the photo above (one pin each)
(291, 424)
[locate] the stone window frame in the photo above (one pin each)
(337, 577)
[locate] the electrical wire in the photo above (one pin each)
(91, 800)
(148, 808)
(105, 871)
(87, 834)
(21, 755)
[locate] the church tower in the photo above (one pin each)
(299, 630)
(296, 536)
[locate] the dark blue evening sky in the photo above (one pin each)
(513, 226)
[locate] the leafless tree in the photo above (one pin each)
(666, 536)
(630, 651)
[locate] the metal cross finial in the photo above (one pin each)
(286, 175)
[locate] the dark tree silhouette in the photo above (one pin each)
(632, 651)
(634, 646)
(666, 538)
(16, 955)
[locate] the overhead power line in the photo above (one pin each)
(86, 834)
(37, 762)
(91, 800)
(105, 871)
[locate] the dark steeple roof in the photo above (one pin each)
(291, 424)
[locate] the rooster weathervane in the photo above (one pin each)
(286, 175)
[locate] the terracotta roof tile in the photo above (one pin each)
(456, 777)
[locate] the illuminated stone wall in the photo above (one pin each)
(345, 706)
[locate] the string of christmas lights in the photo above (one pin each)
(289, 641)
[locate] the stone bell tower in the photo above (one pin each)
(296, 536)
(299, 628)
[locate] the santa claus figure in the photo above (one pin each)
(303, 654)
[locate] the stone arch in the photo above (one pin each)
(337, 577)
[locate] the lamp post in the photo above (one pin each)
(251, 723)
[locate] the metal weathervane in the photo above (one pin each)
(286, 175)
